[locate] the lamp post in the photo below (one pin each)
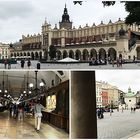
(111, 107)
(24, 92)
(36, 81)
(3, 84)
(31, 86)
(41, 85)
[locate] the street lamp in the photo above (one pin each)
(5, 92)
(111, 102)
(41, 84)
(31, 85)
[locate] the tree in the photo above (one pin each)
(133, 9)
(11, 45)
(52, 52)
(108, 3)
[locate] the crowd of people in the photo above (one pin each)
(119, 62)
(133, 109)
(7, 63)
(22, 110)
(100, 113)
(23, 63)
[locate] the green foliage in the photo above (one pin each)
(11, 45)
(52, 52)
(108, 3)
(133, 9)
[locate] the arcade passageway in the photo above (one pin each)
(20, 92)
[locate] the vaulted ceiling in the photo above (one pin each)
(16, 82)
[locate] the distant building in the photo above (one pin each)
(130, 99)
(4, 51)
(106, 94)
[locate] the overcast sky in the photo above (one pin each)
(19, 17)
(120, 78)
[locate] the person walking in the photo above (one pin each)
(9, 64)
(117, 62)
(98, 113)
(5, 63)
(20, 113)
(37, 110)
(131, 109)
(112, 62)
(22, 63)
(29, 63)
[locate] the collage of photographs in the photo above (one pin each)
(69, 69)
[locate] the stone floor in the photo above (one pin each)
(10, 128)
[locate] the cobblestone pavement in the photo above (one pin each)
(118, 125)
(72, 66)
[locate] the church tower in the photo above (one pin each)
(65, 23)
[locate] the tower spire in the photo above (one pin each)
(65, 23)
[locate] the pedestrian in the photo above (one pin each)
(120, 62)
(15, 111)
(112, 62)
(5, 63)
(134, 58)
(22, 63)
(134, 109)
(37, 110)
(131, 109)
(122, 109)
(98, 113)
(11, 110)
(29, 63)
(117, 62)
(20, 113)
(9, 64)
(101, 113)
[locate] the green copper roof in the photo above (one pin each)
(129, 93)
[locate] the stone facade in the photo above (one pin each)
(101, 41)
(4, 51)
(106, 94)
(130, 99)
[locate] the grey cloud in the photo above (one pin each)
(26, 16)
(12, 9)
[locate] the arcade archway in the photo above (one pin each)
(65, 54)
(102, 54)
(85, 54)
(71, 54)
(112, 54)
(93, 54)
(78, 55)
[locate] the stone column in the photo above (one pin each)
(83, 105)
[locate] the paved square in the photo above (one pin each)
(118, 125)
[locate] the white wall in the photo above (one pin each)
(131, 102)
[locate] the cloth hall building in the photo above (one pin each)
(101, 41)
